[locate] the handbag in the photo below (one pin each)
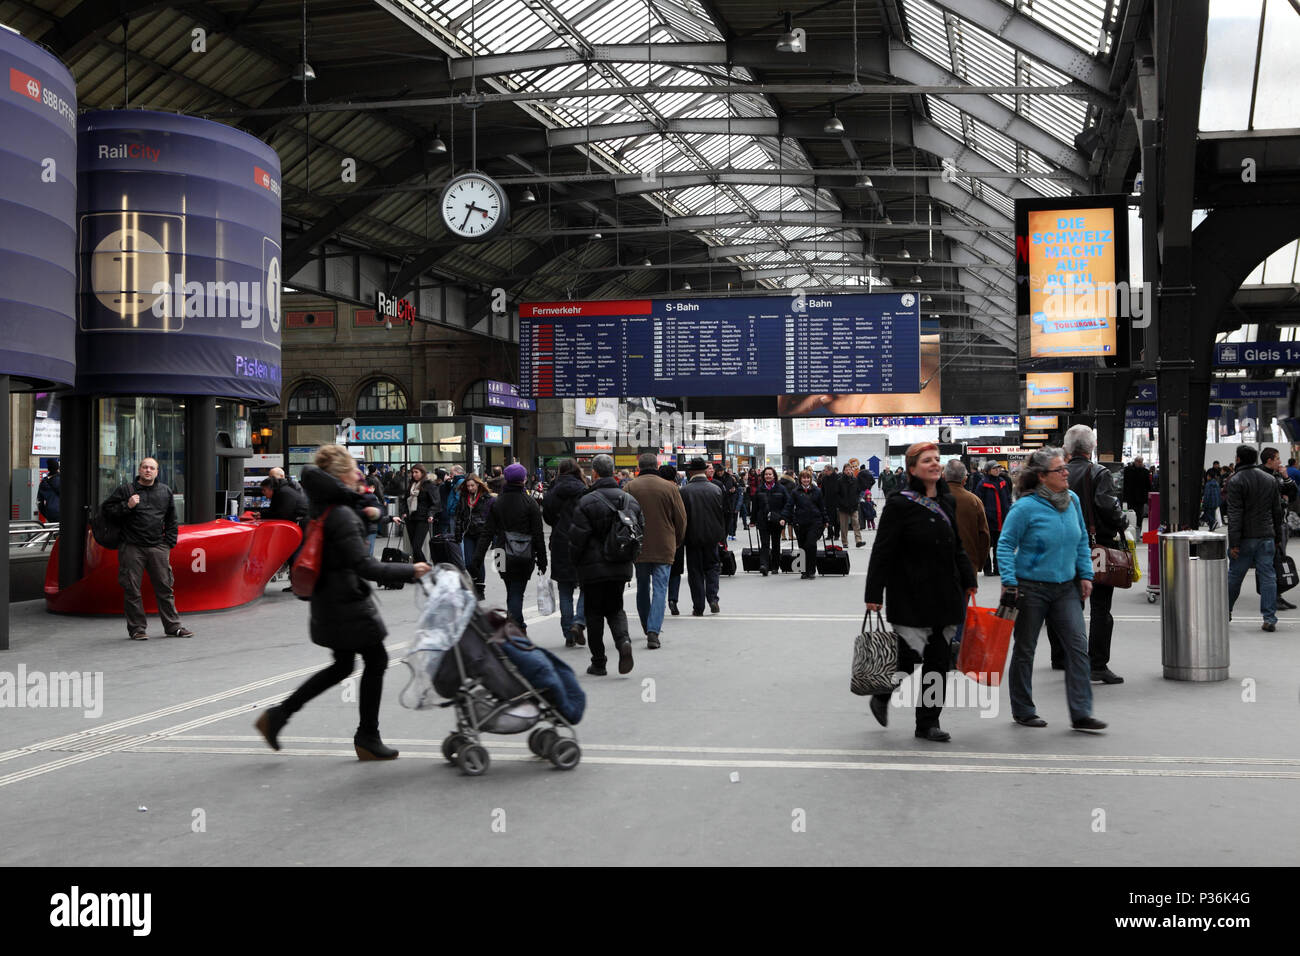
(875, 658)
(1112, 567)
(985, 642)
(545, 595)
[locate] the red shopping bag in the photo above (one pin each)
(985, 642)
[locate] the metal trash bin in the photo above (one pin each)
(1194, 612)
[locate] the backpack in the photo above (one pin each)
(623, 539)
(106, 531)
(306, 568)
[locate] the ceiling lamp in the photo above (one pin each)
(927, 299)
(436, 146)
(833, 125)
(916, 277)
(646, 262)
(303, 72)
(886, 221)
(527, 197)
(904, 254)
(596, 235)
(792, 41)
(864, 182)
(686, 286)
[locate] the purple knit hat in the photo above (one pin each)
(515, 474)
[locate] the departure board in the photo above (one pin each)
(728, 346)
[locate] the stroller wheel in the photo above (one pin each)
(451, 746)
(474, 760)
(565, 754)
(541, 741)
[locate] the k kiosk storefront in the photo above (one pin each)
(477, 443)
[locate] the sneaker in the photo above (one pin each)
(579, 632)
(625, 657)
(183, 632)
(1089, 725)
(1268, 626)
(714, 607)
(652, 641)
(138, 636)
(1106, 676)
(1033, 720)
(861, 544)
(672, 608)
(597, 670)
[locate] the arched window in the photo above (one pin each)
(475, 399)
(381, 395)
(312, 397)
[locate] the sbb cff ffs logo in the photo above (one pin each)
(399, 310)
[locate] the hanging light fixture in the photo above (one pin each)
(916, 277)
(686, 285)
(303, 73)
(528, 197)
(436, 146)
(646, 262)
(927, 299)
(833, 125)
(792, 41)
(864, 182)
(904, 254)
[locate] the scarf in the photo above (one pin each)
(929, 504)
(1060, 500)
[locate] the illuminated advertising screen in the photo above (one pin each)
(1049, 390)
(1042, 422)
(1073, 298)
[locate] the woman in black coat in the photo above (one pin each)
(766, 507)
(918, 563)
(471, 524)
(344, 617)
(420, 505)
(807, 514)
(557, 508)
(514, 513)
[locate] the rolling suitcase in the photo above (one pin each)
(726, 560)
(786, 560)
(394, 554)
(834, 560)
(444, 549)
(749, 558)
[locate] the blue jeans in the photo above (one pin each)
(1039, 602)
(652, 595)
(568, 617)
(515, 602)
(1257, 552)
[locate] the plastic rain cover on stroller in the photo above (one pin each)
(449, 604)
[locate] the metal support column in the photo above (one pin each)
(4, 558)
(80, 489)
(200, 459)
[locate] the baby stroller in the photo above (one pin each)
(492, 675)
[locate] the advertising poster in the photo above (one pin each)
(1049, 390)
(599, 413)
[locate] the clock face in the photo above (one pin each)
(474, 206)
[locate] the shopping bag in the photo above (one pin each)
(545, 595)
(985, 642)
(875, 658)
(1133, 550)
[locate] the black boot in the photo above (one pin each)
(370, 747)
(271, 723)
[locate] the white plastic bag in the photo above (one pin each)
(448, 607)
(545, 595)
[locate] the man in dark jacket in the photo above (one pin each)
(602, 580)
(726, 483)
(146, 510)
(47, 494)
(842, 503)
(1137, 485)
(705, 526)
(1271, 460)
(1108, 521)
(1254, 523)
(995, 491)
(287, 503)
(557, 508)
(665, 532)
(514, 519)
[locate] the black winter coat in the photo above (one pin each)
(918, 569)
(805, 508)
(840, 493)
(591, 520)
(471, 520)
(1253, 504)
(343, 611)
(428, 505)
(996, 495)
(557, 508)
(706, 517)
(152, 522)
(765, 501)
(514, 511)
(289, 503)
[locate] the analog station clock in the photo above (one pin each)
(474, 206)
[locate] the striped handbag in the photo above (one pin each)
(875, 658)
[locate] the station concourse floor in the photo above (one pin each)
(173, 773)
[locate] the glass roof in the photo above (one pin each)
(1252, 49)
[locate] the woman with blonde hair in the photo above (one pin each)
(344, 617)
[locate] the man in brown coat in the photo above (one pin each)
(972, 525)
(665, 531)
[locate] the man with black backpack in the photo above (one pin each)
(705, 526)
(145, 511)
(604, 541)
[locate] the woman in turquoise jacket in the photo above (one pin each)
(1046, 564)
